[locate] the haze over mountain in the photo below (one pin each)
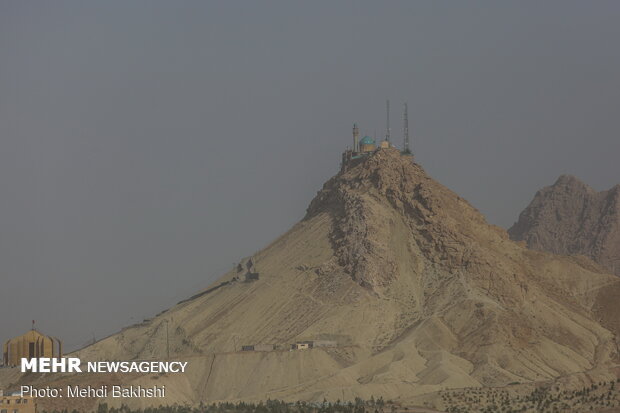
(418, 290)
(569, 217)
(135, 135)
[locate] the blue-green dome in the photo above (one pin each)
(367, 140)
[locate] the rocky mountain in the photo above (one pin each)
(571, 218)
(416, 290)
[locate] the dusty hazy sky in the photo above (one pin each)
(146, 146)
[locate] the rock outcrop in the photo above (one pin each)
(571, 218)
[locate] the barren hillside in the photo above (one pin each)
(417, 290)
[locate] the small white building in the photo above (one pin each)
(301, 346)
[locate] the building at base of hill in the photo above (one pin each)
(15, 403)
(31, 345)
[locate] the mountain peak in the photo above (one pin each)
(373, 196)
(569, 217)
(570, 183)
(567, 178)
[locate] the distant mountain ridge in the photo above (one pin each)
(569, 218)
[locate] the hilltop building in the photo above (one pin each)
(368, 145)
(33, 344)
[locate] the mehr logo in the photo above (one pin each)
(51, 365)
(72, 365)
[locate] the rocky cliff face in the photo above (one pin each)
(571, 218)
(440, 225)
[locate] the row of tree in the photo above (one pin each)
(270, 406)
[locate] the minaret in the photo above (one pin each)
(356, 138)
(406, 132)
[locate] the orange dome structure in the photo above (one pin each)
(31, 345)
